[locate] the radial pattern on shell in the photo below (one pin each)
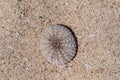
(58, 44)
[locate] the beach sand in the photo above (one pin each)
(96, 24)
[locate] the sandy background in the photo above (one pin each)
(96, 24)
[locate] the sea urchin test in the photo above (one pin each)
(58, 44)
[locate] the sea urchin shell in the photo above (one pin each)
(58, 44)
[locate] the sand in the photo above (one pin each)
(96, 24)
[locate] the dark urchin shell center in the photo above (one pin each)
(56, 43)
